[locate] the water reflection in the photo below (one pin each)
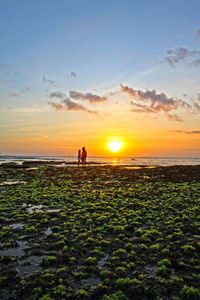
(114, 162)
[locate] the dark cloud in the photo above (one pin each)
(73, 74)
(88, 96)
(180, 54)
(70, 105)
(57, 94)
(44, 79)
(153, 102)
(21, 92)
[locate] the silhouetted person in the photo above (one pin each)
(84, 156)
(79, 157)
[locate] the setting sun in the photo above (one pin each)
(115, 146)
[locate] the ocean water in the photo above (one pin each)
(130, 161)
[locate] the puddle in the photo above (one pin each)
(151, 270)
(103, 261)
(196, 236)
(12, 182)
(26, 270)
(39, 209)
(18, 251)
(91, 282)
(133, 168)
(141, 167)
(53, 210)
(48, 231)
(111, 182)
(142, 228)
(16, 226)
(35, 208)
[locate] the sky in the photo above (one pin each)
(77, 73)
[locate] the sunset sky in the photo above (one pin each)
(79, 73)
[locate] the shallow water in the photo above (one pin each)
(148, 161)
(91, 282)
(151, 270)
(103, 261)
(26, 270)
(18, 251)
(39, 209)
(48, 231)
(12, 182)
(35, 208)
(17, 226)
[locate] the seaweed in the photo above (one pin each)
(102, 232)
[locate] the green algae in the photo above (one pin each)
(100, 233)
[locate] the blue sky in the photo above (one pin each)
(93, 46)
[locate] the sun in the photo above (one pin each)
(115, 146)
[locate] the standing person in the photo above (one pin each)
(84, 156)
(79, 157)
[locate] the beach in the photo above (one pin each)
(99, 232)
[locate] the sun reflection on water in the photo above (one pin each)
(114, 162)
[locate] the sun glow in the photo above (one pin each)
(115, 146)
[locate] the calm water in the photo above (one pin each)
(137, 161)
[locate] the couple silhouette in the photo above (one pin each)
(82, 156)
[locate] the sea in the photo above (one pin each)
(129, 161)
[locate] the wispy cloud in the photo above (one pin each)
(188, 131)
(8, 70)
(21, 92)
(44, 79)
(7, 80)
(88, 96)
(180, 54)
(70, 105)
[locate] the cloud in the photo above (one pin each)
(70, 105)
(18, 94)
(7, 70)
(196, 108)
(73, 74)
(197, 35)
(188, 131)
(174, 118)
(6, 80)
(195, 63)
(180, 54)
(153, 102)
(88, 96)
(44, 79)
(198, 97)
(57, 94)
